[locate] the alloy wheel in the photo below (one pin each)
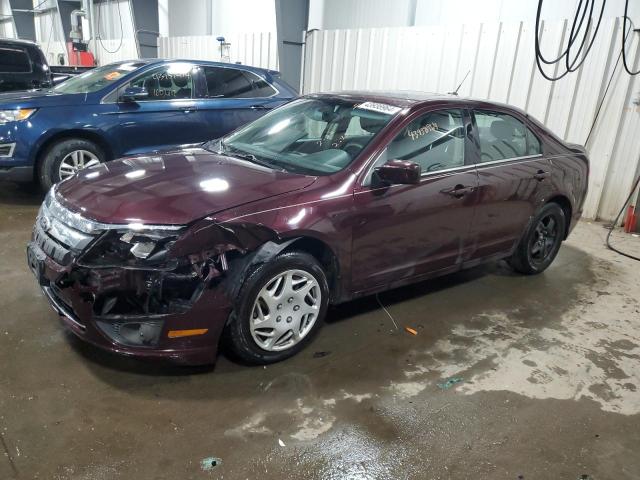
(285, 310)
(544, 239)
(75, 161)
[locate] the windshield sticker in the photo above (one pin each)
(416, 134)
(379, 107)
(112, 75)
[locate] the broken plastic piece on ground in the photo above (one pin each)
(450, 382)
(412, 331)
(320, 354)
(281, 443)
(210, 463)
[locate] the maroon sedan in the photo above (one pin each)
(333, 196)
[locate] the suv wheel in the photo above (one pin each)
(67, 157)
(541, 242)
(280, 308)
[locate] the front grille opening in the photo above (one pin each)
(6, 149)
(68, 309)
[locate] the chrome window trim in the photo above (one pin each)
(366, 183)
(446, 170)
(12, 147)
(367, 177)
(505, 160)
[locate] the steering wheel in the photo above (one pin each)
(434, 166)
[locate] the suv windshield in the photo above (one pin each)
(316, 136)
(98, 78)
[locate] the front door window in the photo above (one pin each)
(170, 82)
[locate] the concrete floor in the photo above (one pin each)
(509, 377)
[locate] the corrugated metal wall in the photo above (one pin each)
(255, 49)
(7, 27)
(500, 57)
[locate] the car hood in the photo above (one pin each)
(39, 98)
(173, 188)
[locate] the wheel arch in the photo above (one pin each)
(322, 252)
(69, 134)
(567, 208)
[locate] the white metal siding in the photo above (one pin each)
(501, 59)
(255, 49)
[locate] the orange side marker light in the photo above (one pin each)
(187, 333)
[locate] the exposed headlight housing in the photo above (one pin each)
(131, 248)
(16, 115)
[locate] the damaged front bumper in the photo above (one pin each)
(188, 337)
(158, 303)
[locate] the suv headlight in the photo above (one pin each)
(16, 115)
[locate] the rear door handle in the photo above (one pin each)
(458, 191)
(259, 107)
(541, 175)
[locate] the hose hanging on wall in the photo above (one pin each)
(580, 31)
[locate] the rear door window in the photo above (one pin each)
(235, 83)
(14, 60)
(502, 137)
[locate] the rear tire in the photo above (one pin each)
(67, 157)
(267, 310)
(541, 241)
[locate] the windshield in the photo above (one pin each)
(98, 78)
(313, 136)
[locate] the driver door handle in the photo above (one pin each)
(259, 107)
(458, 191)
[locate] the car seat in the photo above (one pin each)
(151, 85)
(181, 81)
(433, 143)
(503, 142)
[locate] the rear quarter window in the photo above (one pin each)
(235, 83)
(14, 60)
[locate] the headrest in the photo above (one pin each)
(502, 130)
(165, 81)
(181, 81)
(372, 125)
(151, 84)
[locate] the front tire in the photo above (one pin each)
(541, 241)
(280, 308)
(67, 157)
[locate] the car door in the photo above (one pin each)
(404, 231)
(232, 97)
(513, 180)
(166, 118)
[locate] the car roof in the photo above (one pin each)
(17, 41)
(412, 99)
(160, 61)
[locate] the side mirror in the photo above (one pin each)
(396, 172)
(133, 94)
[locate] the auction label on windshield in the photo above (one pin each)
(379, 107)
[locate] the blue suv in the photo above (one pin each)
(128, 108)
